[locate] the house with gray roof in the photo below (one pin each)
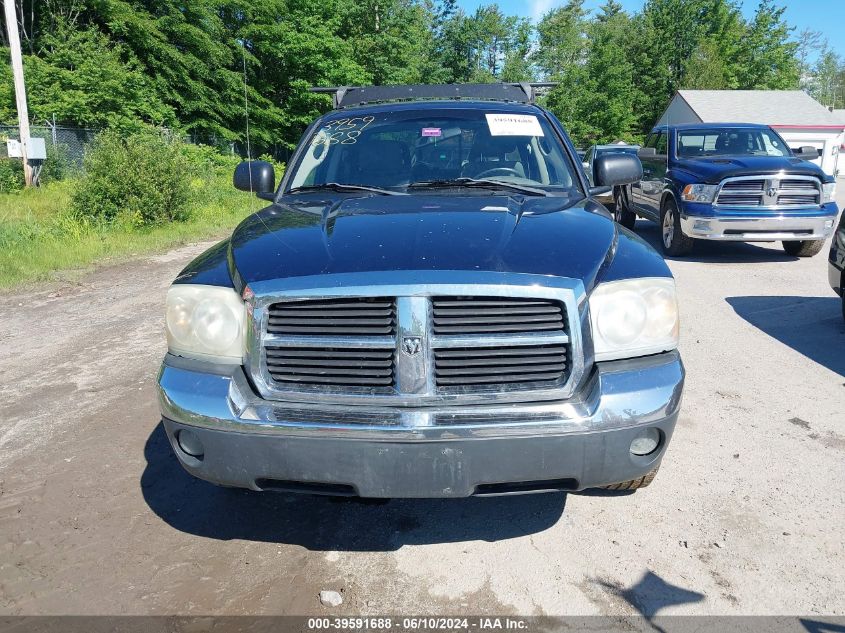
(795, 115)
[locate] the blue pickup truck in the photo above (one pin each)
(730, 182)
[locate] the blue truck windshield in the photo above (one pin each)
(730, 142)
(398, 150)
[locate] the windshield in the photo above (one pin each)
(730, 142)
(406, 149)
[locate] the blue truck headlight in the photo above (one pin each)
(205, 322)
(828, 192)
(700, 193)
(634, 317)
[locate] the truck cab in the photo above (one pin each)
(731, 182)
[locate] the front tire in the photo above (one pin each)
(675, 242)
(622, 212)
(635, 484)
(803, 248)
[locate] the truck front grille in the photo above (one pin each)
(770, 192)
(341, 367)
(488, 315)
(356, 316)
(418, 347)
(525, 366)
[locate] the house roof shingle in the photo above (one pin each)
(771, 107)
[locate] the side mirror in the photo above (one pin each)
(256, 176)
(617, 169)
(645, 152)
(807, 152)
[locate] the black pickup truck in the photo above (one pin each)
(730, 182)
(432, 305)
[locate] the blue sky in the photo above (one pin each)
(827, 16)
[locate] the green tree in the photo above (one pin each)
(594, 99)
(826, 84)
(561, 36)
(81, 78)
(768, 59)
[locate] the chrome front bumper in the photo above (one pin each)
(758, 229)
(446, 451)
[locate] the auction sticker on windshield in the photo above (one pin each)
(514, 125)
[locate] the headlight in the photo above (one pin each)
(828, 191)
(699, 193)
(205, 322)
(634, 317)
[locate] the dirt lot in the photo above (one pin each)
(747, 515)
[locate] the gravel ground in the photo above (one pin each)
(747, 515)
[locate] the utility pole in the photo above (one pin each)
(20, 88)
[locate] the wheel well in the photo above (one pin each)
(667, 195)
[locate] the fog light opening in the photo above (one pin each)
(190, 443)
(646, 442)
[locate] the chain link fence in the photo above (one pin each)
(70, 141)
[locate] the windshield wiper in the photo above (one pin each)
(478, 182)
(337, 186)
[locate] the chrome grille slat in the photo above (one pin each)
(746, 186)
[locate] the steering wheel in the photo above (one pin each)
(499, 171)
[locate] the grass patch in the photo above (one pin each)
(39, 235)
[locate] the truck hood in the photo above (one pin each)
(550, 236)
(712, 170)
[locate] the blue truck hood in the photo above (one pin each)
(714, 169)
(547, 236)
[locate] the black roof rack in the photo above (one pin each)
(349, 96)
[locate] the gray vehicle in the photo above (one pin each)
(432, 305)
(611, 199)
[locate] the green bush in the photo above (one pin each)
(141, 179)
(58, 165)
(206, 161)
(11, 175)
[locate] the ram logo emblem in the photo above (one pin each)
(411, 345)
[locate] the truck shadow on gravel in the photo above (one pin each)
(332, 524)
(716, 252)
(812, 326)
